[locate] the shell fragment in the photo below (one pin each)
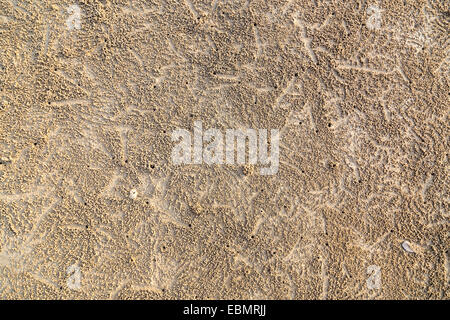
(407, 247)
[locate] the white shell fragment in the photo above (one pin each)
(133, 194)
(406, 247)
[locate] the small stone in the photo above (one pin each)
(407, 247)
(133, 194)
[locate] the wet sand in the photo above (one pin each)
(92, 205)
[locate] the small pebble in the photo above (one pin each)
(133, 194)
(406, 247)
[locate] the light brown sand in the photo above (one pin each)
(86, 116)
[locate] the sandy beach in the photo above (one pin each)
(266, 149)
